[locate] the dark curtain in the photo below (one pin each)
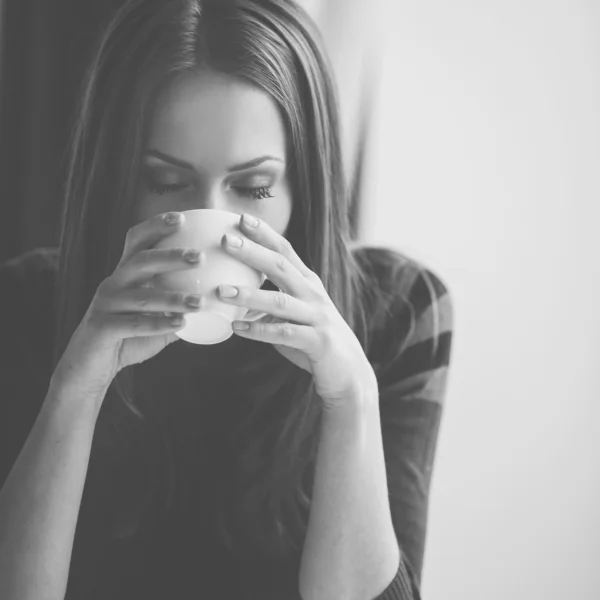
(44, 48)
(45, 45)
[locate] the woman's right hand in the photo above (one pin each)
(117, 330)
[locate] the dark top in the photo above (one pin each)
(180, 555)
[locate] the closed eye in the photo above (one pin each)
(258, 193)
(164, 188)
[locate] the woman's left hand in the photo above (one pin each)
(302, 323)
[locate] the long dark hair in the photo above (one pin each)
(274, 45)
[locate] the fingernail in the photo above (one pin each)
(193, 300)
(172, 218)
(228, 291)
(234, 240)
(239, 325)
(250, 221)
(192, 256)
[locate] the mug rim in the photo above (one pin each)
(214, 210)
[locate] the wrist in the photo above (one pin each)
(362, 395)
(67, 393)
(81, 372)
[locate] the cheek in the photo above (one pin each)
(141, 213)
(281, 210)
(147, 207)
(277, 213)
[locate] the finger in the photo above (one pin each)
(149, 232)
(265, 235)
(301, 337)
(147, 300)
(278, 304)
(274, 265)
(145, 264)
(120, 326)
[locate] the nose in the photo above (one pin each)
(212, 198)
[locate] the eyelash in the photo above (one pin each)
(258, 193)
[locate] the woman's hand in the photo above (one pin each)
(125, 323)
(303, 323)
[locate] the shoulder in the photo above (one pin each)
(398, 280)
(26, 324)
(410, 311)
(32, 272)
(32, 263)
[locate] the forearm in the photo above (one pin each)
(350, 550)
(39, 502)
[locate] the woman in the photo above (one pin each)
(292, 460)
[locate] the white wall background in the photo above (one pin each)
(486, 166)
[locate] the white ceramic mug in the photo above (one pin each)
(203, 230)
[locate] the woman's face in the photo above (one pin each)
(206, 130)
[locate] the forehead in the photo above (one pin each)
(214, 120)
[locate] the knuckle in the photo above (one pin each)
(322, 299)
(285, 247)
(281, 262)
(286, 330)
(330, 339)
(129, 235)
(96, 305)
(281, 300)
(102, 295)
(319, 290)
(326, 343)
(315, 279)
(102, 290)
(93, 320)
(320, 318)
(108, 284)
(259, 328)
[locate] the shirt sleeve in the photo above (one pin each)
(26, 304)
(412, 384)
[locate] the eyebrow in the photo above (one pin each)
(188, 166)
